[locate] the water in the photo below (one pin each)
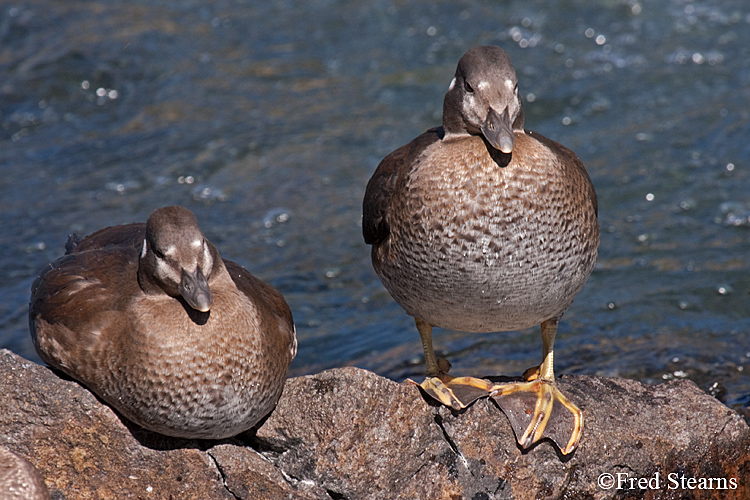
(268, 118)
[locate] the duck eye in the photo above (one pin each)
(468, 87)
(159, 252)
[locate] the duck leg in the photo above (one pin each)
(454, 392)
(536, 408)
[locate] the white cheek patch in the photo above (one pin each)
(453, 84)
(164, 271)
(196, 243)
(170, 250)
(483, 85)
(510, 84)
(162, 268)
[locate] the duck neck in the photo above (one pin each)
(145, 280)
(453, 120)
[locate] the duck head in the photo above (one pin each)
(177, 258)
(482, 98)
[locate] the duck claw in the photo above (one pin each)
(456, 392)
(535, 409)
(538, 410)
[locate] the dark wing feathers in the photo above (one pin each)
(377, 202)
(127, 235)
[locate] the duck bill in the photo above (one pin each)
(498, 131)
(194, 289)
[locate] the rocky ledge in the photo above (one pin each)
(350, 434)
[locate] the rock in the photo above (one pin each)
(361, 436)
(83, 450)
(350, 434)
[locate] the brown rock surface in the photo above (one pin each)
(350, 434)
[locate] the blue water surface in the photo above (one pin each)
(268, 118)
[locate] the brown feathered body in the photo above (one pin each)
(469, 238)
(159, 362)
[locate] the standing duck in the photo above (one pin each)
(482, 226)
(152, 320)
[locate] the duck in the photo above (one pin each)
(482, 226)
(19, 479)
(153, 321)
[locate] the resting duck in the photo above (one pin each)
(152, 320)
(482, 226)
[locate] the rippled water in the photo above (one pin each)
(267, 119)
